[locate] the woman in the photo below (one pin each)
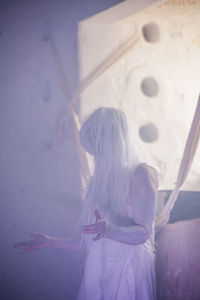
(120, 209)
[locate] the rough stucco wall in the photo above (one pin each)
(156, 83)
(40, 174)
(178, 261)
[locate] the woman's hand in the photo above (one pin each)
(100, 227)
(39, 241)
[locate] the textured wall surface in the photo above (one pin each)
(155, 81)
(178, 261)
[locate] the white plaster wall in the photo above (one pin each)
(40, 174)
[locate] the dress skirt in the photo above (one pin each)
(117, 271)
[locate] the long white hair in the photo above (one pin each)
(107, 136)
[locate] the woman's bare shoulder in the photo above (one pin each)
(145, 167)
(145, 173)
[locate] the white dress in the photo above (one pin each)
(118, 271)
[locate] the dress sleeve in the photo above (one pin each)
(143, 195)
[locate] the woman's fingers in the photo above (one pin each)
(97, 225)
(97, 237)
(95, 228)
(27, 248)
(17, 246)
(35, 243)
(97, 215)
(23, 245)
(39, 241)
(99, 228)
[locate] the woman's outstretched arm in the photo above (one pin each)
(41, 241)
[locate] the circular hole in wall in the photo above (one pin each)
(151, 32)
(149, 87)
(148, 133)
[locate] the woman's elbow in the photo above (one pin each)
(143, 236)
